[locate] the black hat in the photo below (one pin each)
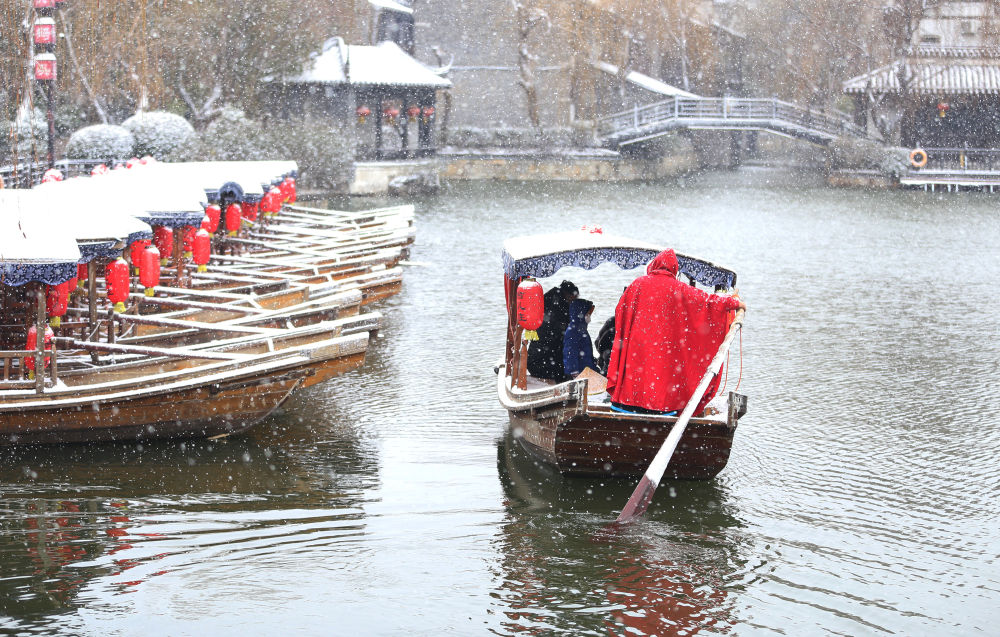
(568, 287)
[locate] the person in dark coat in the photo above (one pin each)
(605, 342)
(578, 349)
(545, 356)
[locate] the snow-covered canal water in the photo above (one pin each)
(862, 496)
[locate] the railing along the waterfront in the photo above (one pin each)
(723, 111)
(962, 159)
(28, 174)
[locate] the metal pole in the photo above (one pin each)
(52, 124)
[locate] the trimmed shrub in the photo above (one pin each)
(101, 141)
(158, 133)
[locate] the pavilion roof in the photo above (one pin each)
(384, 64)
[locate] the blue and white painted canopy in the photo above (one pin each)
(32, 248)
(542, 255)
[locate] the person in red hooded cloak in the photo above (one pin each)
(666, 333)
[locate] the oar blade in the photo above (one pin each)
(639, 502)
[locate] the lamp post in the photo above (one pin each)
(44, 34)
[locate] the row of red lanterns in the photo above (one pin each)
(44, 35)
(391, 113)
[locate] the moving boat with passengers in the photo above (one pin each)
(572, 424)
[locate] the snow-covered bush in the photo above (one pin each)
(101, 141)
(322, 150)
(864, 154)
(26, 137)
(158, 133)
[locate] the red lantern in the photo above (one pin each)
(52, 174)
(45, 4)
(45, 67)
(249, 210)
(214, 213)
(81, 274)
(45, 31)
(116, 278)
(943, 108)
(428, 113)
(149, 269)
(135, 252)
(363, 112)
(132, 163)
(187, 240)
(530, 307)
(99, 169)
(391, 113)
(32, 344)
(233, 219)
(57, 302)
(293, 193)
(202, 249)
(413, 112)
(275, 200)
(163, 239)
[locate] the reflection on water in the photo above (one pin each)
(861, 496)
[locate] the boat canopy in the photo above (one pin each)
(32, 248)
(160, 199)
(250, 176)
(542, 255)
(101, 225)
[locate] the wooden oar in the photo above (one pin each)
(643, 494)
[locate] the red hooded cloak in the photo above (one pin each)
(666, 333)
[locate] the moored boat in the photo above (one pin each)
(570, 425)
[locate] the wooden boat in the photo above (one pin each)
(185, 378)
(576, 431)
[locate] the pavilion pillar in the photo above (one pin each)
(378, 127)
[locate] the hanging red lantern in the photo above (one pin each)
(45, 4)
(428, 114)
(45, 32)
(32, 344)
(81, 274)
(293, 190)
(202, 249)
(56, 302)
(45, 67)
(362, 112)
(206, 223)
(187, 240)
(233, 219)
(116, 278)
(275, 200)
(943, 108)
(135, 252)
(530, 307)
(249, 210)
(391, 113)
(149, 269)
(163, 239)
(99, 169)
(412, 113)
(214, 214)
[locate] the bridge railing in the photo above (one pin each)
(719, 109)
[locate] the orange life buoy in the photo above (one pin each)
(918, 157)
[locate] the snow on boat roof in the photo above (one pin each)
(384, 64)
(251, 176)
(32, 248)
(83, 209)
(390, 4)
(542, 255)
